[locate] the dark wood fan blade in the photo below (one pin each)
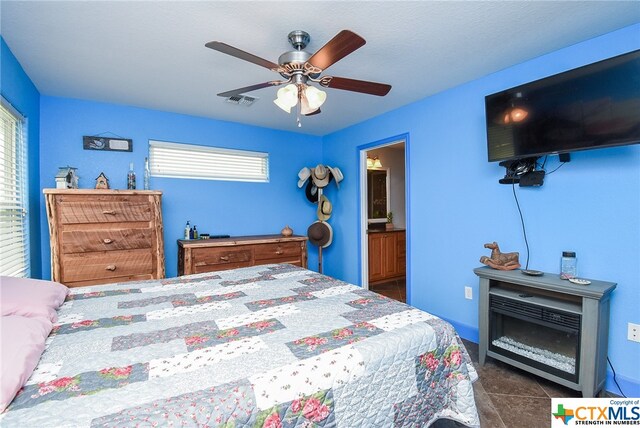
(373, 88)
(230, 50)
(313, 113)
(251, 88)
(337, 48)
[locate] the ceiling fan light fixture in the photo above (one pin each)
(305, 107)
(315, 97)
(282, 105)
(287, 97)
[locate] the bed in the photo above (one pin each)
(266, 346)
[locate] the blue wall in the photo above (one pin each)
(17, 88)
(591, 205)
(216, 207)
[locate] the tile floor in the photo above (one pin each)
(506, 397)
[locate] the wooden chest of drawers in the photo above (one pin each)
(103, 236)
(209, 255)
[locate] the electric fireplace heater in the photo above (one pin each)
(546, 326)
(536, 330)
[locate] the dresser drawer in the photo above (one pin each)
(79, 241)
(280, 250)
(222, 256)
(218, 267)
(101, 265)
(108, 211)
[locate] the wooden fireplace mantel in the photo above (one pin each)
(591, 302)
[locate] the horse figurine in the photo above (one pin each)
(500, 261)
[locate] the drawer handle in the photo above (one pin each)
(109, 212)
(224, 258)
(279, 252)
(111, 268)
(107, 241)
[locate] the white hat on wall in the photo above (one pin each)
(336, 174)
(303, 176)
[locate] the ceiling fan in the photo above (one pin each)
(299, 68)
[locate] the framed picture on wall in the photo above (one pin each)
(107, 144)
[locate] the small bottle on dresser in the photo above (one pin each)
(147, 175)
(187, 231)
(131, 178)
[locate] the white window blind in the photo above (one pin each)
(14, 224)
(208, 163)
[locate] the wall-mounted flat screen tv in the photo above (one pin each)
(590, 107)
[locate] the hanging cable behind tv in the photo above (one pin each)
(526, 270)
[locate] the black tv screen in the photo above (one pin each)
(590, 107)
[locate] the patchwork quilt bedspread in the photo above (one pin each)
(265, 346)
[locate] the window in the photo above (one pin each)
(208, 163)
(14, 222)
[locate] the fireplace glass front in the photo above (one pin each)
(532, 330)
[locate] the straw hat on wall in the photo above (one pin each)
(324, 208)
(320, 176)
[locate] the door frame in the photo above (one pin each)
(362, 219)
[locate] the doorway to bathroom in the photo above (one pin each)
(383, 218)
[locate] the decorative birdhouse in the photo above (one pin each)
(66, 178)
(102, 182)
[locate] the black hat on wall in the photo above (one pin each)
(311, 192)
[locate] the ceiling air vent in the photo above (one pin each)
(241, 100)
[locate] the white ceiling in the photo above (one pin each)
(151, 54)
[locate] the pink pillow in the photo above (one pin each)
(31, 297)
(21, 345)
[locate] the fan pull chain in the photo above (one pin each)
(299, 108)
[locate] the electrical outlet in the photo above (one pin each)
(633, 333)
(468, 293)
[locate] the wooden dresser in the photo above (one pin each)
(103, 236)
(209, 255)
(387, 254)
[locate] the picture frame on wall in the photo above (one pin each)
(107, 144)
